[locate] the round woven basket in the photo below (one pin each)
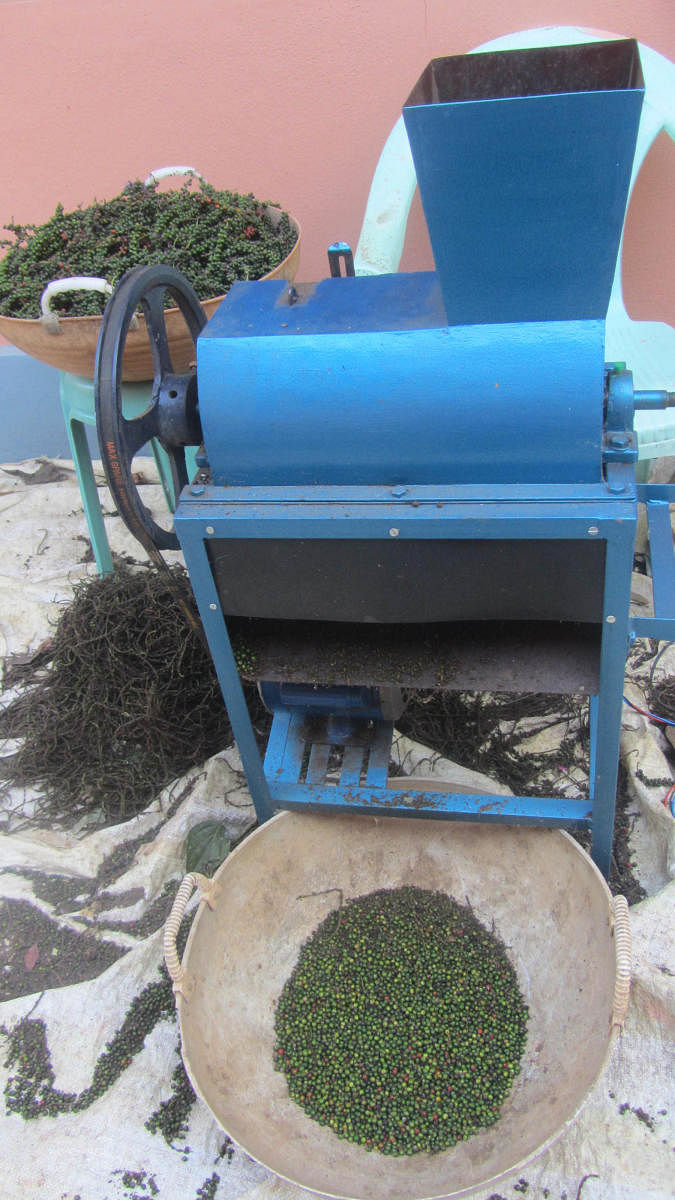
(73, 347)
(567, 938)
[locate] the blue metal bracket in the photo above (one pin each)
(598, 512)
(340, 252)
(302, 749)
(657, 499)
(544, 811)
(306, 767)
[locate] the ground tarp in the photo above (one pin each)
(95, 1106)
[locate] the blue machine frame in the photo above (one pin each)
(469, 405)
(606, 512)
(379, 453)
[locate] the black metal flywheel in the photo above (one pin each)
(172, 416)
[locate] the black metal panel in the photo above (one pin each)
(537, 71)
(409, 581)
(497, 656)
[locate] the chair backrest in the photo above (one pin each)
(382, 235)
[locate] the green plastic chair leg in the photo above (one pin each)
(79, 410)
(79, 447)
(164, 470)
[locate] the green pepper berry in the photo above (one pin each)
(393, 1054)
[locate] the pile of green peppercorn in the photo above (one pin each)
(213, 237)
(402, 1025)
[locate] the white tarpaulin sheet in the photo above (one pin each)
(104, 1144)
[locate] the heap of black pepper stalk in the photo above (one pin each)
(213, 237)
(130, 700)
(402, 1025)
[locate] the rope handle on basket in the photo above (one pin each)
(72, 283)
(623, 961)
(208, 891)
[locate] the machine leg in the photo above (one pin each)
(593, 711)
(604, 780)
(606, 708)
(197, 563)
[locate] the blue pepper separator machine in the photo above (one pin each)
(421, 480)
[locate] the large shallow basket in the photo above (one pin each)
(550, 906)
(73, 347)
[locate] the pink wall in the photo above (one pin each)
(292, 101)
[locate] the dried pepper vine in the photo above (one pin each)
(129, 702)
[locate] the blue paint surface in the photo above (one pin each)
(377, 303)
(362, 403)
(524, 194)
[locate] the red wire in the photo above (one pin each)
(643, 713)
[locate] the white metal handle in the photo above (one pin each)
(73, 283)
(166, 172)
(87, 283)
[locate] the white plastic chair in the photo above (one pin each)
(647, 347)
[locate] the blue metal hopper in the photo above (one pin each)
(523, 160)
